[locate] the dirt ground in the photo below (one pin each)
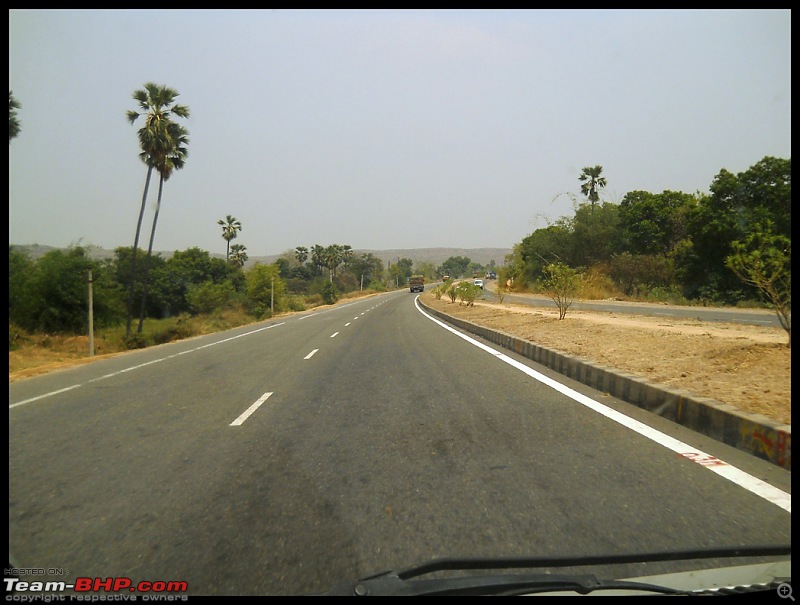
(748, 367)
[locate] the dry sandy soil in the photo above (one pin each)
(745, 366)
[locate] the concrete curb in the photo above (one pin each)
(751, 433)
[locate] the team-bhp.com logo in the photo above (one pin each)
(98, 589)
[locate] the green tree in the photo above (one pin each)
(400, 271)
(238, 255)
(636, 272)
(332, 257)
(542, 247)
(265, 290)
(329, 293)
(229, 228)
(455, 266)
(595, 235)
(20, 270)
(592, 183)
(54, 296)
(318, 258)
(208, 297)
(347, 255)
(157, 105)
(14, 125)
(51, 293)
(739, 204)
(301, 254)
(764, 260)
(561, 283)
(654, 223)
(151, 289)
(367, 269)
(426, 268)
(185, 269)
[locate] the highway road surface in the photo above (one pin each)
(285, 457)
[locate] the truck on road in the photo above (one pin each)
(416, 283)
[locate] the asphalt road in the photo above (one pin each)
(293, 455)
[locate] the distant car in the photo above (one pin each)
(479, 283)
(491, 275)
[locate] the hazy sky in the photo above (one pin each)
(382, 128)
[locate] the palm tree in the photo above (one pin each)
(332, 258)
(347, 254)
(157, 104)
(318, 257)
(175, 160)
(301, 254)
(592, 183)
(238, 255)
(229, 228)
(14, 126)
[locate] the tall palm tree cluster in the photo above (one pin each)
(327, 257)
(163, 143)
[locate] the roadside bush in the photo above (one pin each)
(15, 336)
(501, 290)
(134, 341)
(561, 283)
(209, 297)
(660, 294)
(467, 293)
(176, 330)
(330, 294)
(295, 303)
(314, 300)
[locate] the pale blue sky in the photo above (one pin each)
(383, 128)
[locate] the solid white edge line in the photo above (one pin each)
(246, 414)
(722, 468)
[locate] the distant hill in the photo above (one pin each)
(482, 256)
(437, 256)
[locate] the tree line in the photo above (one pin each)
(726, 247)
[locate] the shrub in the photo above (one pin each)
(134, 341)
(561, 283)
(330, 294)
(295, 303)
(467, 293)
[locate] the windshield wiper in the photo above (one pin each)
(403, 583)
(390, 583)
